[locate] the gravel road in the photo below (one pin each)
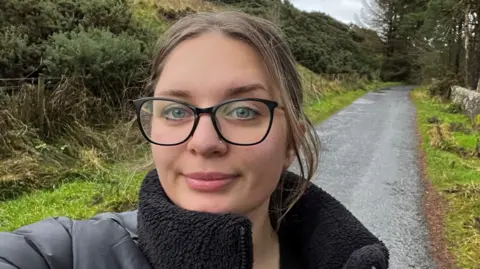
(369, 163)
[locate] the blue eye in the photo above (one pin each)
(175, 113)
(244, 113)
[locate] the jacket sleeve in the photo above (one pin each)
(45, 244)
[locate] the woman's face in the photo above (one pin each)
(202, 71)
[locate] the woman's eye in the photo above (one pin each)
(175, 113)
(243, 113)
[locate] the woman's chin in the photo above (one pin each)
(214, 209)
(215, 206)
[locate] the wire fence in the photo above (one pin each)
(17, 83)
(9, 84)
(33, 79)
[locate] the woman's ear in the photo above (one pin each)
(290, 157)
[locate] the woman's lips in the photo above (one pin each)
(208, 181)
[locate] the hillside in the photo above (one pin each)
(319, 42)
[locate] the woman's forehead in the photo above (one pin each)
(213, 63)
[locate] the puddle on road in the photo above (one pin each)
(348, 112)
(320, 132)
(363, 102)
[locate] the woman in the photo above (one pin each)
(225, 121)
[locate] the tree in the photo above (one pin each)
(438, 38)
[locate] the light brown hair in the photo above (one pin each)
(267, 39)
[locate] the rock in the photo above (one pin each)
(469, 100)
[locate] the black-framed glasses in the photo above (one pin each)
(169, 122)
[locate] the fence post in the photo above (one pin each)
(41, 104)
(311, 82)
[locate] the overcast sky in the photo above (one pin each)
(342, 10)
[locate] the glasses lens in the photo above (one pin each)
(166, 122)
(243, 122)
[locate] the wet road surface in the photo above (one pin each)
(368, 161)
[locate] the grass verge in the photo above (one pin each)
(331, 102)
(449, 141)
(115, 190)
(320, 110)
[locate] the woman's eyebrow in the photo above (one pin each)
(174, 93)
(231, 92)
(245, 89)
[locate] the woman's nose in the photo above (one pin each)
(205, 140)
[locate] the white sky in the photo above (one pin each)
(342, 10)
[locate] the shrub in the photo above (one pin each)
(442, 88)
(40, 19)
(25, 25)
(106, 63)
(17, 57)
(36, 19)
(396, 68)
(114, 15)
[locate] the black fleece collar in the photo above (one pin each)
(325, 234)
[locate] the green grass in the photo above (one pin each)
(455, 177)
(116, 190)
(329, 104)
(332, 102)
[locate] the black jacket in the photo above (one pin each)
(323, 233)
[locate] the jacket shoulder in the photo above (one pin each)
(64, 243)
(127, 220)
(41, 245)
(107, 240)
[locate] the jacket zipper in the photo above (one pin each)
(243, 249)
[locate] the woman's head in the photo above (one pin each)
(210, 58)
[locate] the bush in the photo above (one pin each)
(106, 63)
(442, 88)
(36, 19)
(25, 25)
(114, 15)
(17, 57)
(40, 19)
(396, 68)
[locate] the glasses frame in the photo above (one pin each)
(138, 103)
